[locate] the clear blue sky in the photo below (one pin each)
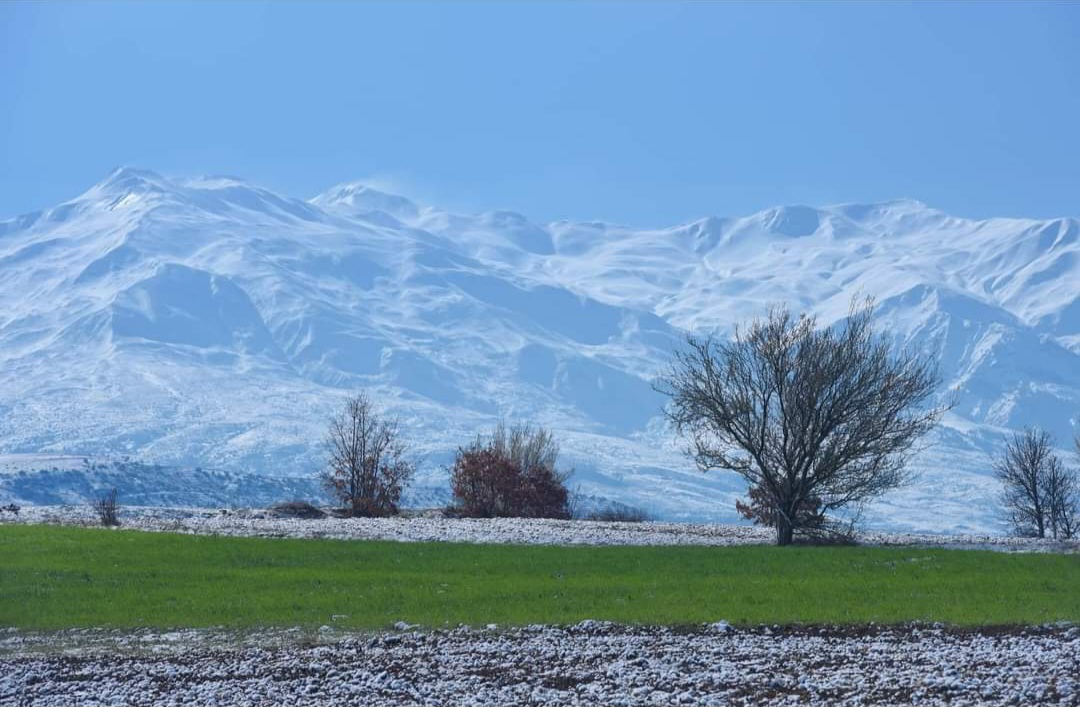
(640, 113)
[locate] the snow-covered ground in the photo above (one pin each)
(211, 323)
(591, 663)
(431, 527)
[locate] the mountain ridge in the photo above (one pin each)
(209, 321)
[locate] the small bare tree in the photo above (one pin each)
(810, 417)
(1067, 501)
(1040, 495)
(368, 469)
(107, 506)
(1063, 500)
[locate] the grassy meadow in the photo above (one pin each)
(56, 577)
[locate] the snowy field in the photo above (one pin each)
(431, 527)
(586, 664)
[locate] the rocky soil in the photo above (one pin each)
(590, 663)
(433, 527)
(586, 664)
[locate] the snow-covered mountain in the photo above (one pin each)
(211, 322)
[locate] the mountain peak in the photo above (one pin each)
(354, 198)
(217, 181)
(129, 179)
(794, 221)
(122, 188)
(907, 203)
(892, 208)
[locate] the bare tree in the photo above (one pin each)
(809, 416)
(1063, 501)
(1067, 501)
(107, 506)
(1040, 494)
(1061, 491)
(368, 469)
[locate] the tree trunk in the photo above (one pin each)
(784, 531)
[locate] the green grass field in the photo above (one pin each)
(52, 577)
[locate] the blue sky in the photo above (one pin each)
(640, 113)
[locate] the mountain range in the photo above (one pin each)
(213, 323)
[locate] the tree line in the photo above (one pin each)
(818, 421)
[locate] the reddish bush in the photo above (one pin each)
(484, 483)
(762, 510)
(510, 477)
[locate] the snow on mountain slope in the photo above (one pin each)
(210, 322)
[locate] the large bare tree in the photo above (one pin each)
(812, 417)
(368, 469)
(1039, 493)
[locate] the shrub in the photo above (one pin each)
(618, 513)
(761, 509)
(510, 474)
(813, 524)
(296, 509)
(108, 508)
